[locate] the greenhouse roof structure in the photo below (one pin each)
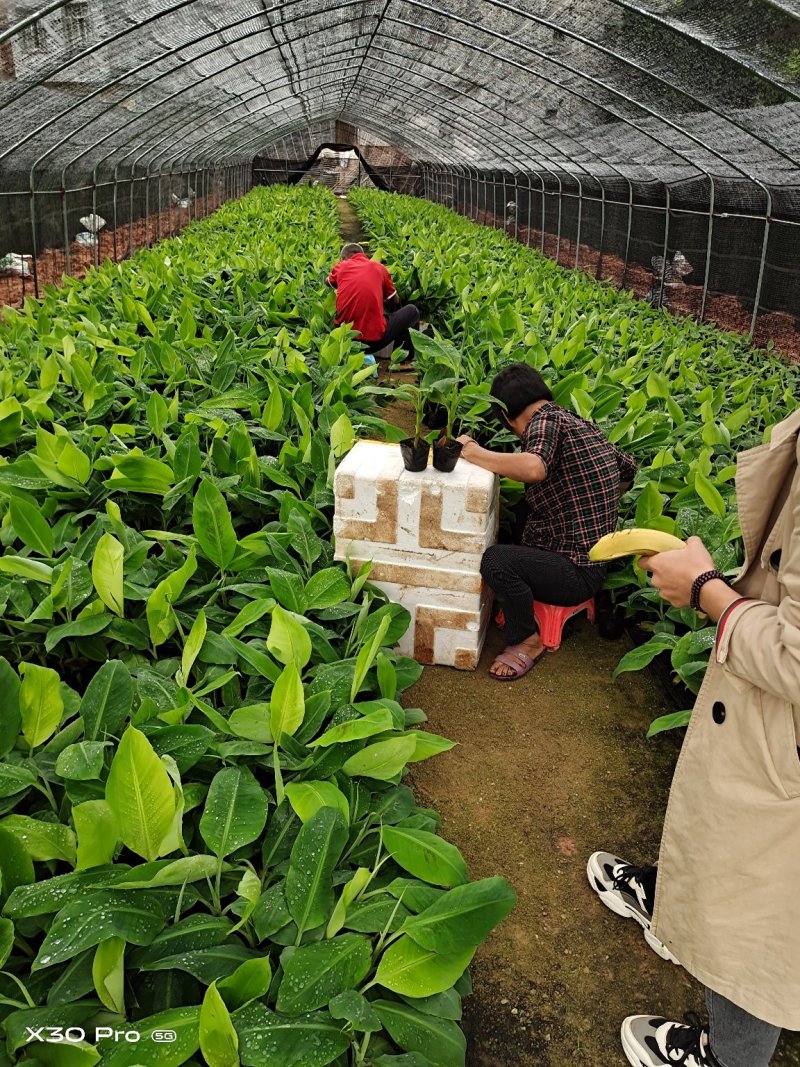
(642, 89)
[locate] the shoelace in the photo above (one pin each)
(689, 1040)
(627, 872)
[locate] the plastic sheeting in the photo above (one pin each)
(655, 89)
(631, 118)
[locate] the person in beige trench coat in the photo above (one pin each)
(726, 899)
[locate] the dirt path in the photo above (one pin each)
(546, 771)
(350, 224)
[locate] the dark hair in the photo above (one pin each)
(348, 251)
(517, 386)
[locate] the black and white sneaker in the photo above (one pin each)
(649, 1041)
(622, 887)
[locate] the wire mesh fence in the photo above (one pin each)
(55, 232)
(704, 247)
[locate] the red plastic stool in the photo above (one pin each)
(551, 619)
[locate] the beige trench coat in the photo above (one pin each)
(728, 897)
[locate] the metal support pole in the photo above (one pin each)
(580, 222)
(114, 215)
(65, 223)
(130, 214)
(762, 265)
(516, 208)
(707, 273)
(34, 244)
(628, 236)
(560, 218)
(599, 271)
(147, 207)
(666, 248)
(96, 245)
(528, 213)
(159, 206)
(544, 214)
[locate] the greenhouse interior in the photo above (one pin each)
(356, 358)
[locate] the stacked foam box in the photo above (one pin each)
(425, 533)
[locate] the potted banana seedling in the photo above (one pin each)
(415, 450)
(444, 390)
(459, 402)
(441, 364)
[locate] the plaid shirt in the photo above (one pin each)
(577, 503)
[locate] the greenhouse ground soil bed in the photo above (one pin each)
(723, 310)
(546, 771)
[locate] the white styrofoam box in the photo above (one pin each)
(446, 628)
(425, 533)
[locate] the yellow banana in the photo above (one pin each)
(634, 542)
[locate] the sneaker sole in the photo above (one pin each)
(620, 908)
(628, 1046)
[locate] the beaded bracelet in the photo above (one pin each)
(699, 582)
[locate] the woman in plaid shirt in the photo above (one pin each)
(574, 478)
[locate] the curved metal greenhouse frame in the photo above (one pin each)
(618, 128)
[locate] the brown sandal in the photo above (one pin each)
(518, 664)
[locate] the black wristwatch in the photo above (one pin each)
(700, 581)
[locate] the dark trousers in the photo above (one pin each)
(518, 575)
(737, 1038)
(397, 326)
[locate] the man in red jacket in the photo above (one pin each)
(362, 287)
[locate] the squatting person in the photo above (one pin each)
(574, 479)
(363, 286)
(723, 898)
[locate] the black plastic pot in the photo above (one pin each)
(611, 624)
(445, 456)
(435, 416)
(415, 457)
(609, 616)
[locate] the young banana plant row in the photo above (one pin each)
(682, 397)
(207, 850)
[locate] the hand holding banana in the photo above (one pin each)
(673, 564)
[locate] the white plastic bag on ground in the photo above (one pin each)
(86, 238)
(14, 263)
